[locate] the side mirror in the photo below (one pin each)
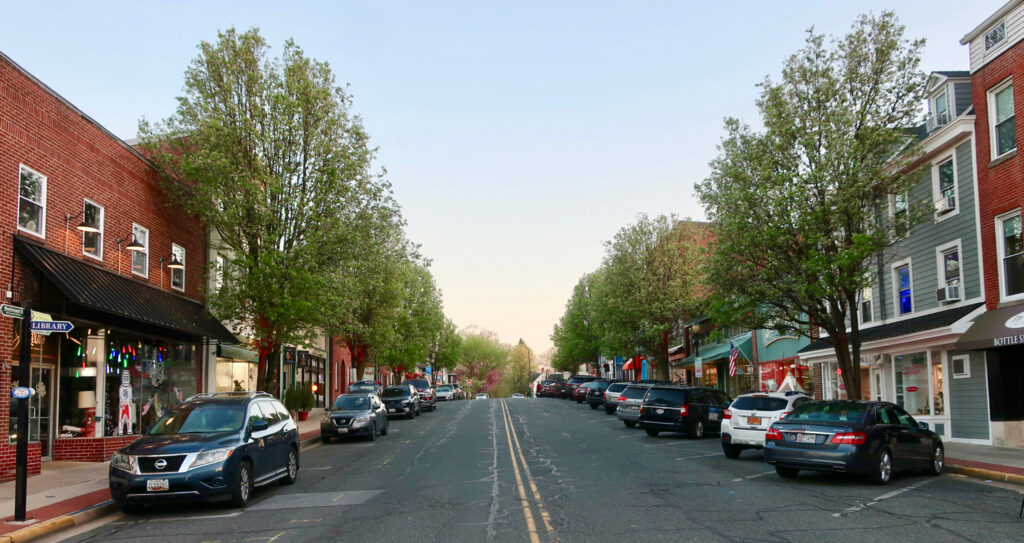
(923, 425)
(259, 426)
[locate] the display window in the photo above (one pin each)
(235, 375)
(919, 384)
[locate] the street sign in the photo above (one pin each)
(52, 326)
(21, 392)
(698, 367)
(12, 311)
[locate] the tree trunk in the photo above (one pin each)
(268, 378)
(661, 358)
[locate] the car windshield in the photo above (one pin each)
(351, 403)
(848, 412)
(634, 393)
(443, 388)
(618, 387)
(419, 383)
(197, 418)
(395, 392)
(759, 403)
(362, 387)
(665, 396)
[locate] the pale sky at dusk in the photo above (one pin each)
(518, 137)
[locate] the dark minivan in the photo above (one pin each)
(690, 410)
(213, 447)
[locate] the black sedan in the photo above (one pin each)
(873, 438)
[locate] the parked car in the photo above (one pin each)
(365, 386)
(690, 410)
(445, 393)
(359, 414)
(548, 388)
(427, 401)
(459, 393)
(482, 396)
(212, 447)
(573, 382)
(611, 396)
(749, 416)
(873, 438)
(402, 400)
(580, 392)
(517, 395)
(629, 402)
(595, 394)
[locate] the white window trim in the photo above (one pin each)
(929, 363)
(42, 214)
(991, 97)
(102, 217)
(999, 46)
(144, 251)
(219, 262)
(896, 287)
(175, 246)
(967, 366)
(937, 188)
(940, 269)
(933, 103)
(1001, 253)
(892, 217)
(860, 304)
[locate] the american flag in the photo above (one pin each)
(733, 353)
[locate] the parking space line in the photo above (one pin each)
(700, 456)
(883, 497)
(754, 476)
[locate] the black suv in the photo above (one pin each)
(212, 447)
(573, 382)
(690, 410)
(427, 400)
(402, 400)
(595, 395)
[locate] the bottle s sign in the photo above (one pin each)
(21, 392)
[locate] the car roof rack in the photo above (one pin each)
(231, 394)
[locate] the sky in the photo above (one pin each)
(518, 136)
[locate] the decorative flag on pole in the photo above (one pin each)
(733, 353)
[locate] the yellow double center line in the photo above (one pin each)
(514, 450)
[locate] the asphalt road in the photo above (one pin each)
(545, 470)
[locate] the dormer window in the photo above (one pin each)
(942, 109)
(995, 36)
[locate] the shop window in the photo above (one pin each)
(235, 375)
(1011, 255)
(960, 366)
(92, 242)
(178, 274)
(938, 397)
(140, 258)
(32, 202)
(79, 406)
(912, 383)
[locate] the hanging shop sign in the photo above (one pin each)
(21, 392)
(289, 355)
(52, 326)
(302, 358)
(698, 367)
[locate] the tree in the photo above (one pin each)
(418, 321)
(796, 207)
(521, 367)
(483, 360)
(446, 350)
(650, 279)
(266, 153)
(576, 336)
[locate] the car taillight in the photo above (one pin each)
(727, 415)
(604, 396)
(773, 435)
(622, 398)
(849, 438)
(683, 410)
(783, 415)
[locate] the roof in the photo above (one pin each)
(991, 20)
(953, 73)
(94, 293)
(923, 323)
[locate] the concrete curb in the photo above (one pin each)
(980, 473)
(70, 520)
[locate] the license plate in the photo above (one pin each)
(659, 411)
(392, 410)
(806, 438)
(157, 485)
(635, 407)
(753, 420)
(342, 430)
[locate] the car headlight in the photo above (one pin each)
(213, 456)
(364, 418)
(124, 462)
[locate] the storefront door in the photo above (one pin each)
(40, 409)
(876, 384)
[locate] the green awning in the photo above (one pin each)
(718, 351)
(238, 353)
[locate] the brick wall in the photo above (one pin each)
(819, 384)
(89, 449)
(7, 460)
(1000, 185)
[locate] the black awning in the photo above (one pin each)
(901, 328)
(998, 328)
(100, 291)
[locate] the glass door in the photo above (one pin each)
(876, 384)
(40, 409)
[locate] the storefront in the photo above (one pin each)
(710, 366)
(774, 372)
(237, 368)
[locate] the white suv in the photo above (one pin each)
(749, 416)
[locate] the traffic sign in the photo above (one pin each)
(52, 326)
(12, 311)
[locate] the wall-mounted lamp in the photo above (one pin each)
(84, 226)
(133, 245)
(172, 263)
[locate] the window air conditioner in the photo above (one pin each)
(945, 204)
(948, 294)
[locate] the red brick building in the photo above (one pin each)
(87, 235)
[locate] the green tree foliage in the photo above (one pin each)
(576, 337)
(446, 351)
(483, 360)
(650, 279)
(796, 207)
(522, 363)
(418, 322)
(267, 152)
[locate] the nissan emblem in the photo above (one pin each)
(160, 464)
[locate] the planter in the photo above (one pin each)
(303, 416)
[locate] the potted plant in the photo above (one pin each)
(306, 402)
(291, 399)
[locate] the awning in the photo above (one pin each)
(238, 353)
(630, 365)
(904, 327)
(721, 350)
(93, 293)
(999, 328)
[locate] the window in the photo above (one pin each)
(961, 366)
(949, 272)
(912, 390)
(140, 258)
(1011, 255)
(218, 277)
(944, 186)
(32, 202)
(904, 292)
(178, 274)
(865, 305)
(898, 215)
(995, 36)
(92, 242)
(941, 109)
(1000, 111)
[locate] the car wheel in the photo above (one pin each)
(243, 485)
(652, 432)
(938, 461)
(698, 430)
(731, 451)
(325, 439)
(593, 406)
(373, 433)
(786, 473)
(883, 472)
(293, 467)
(609, 410)
(629, 423)
(384, 432)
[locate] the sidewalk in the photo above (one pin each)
(985, 462)
(66, 494)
